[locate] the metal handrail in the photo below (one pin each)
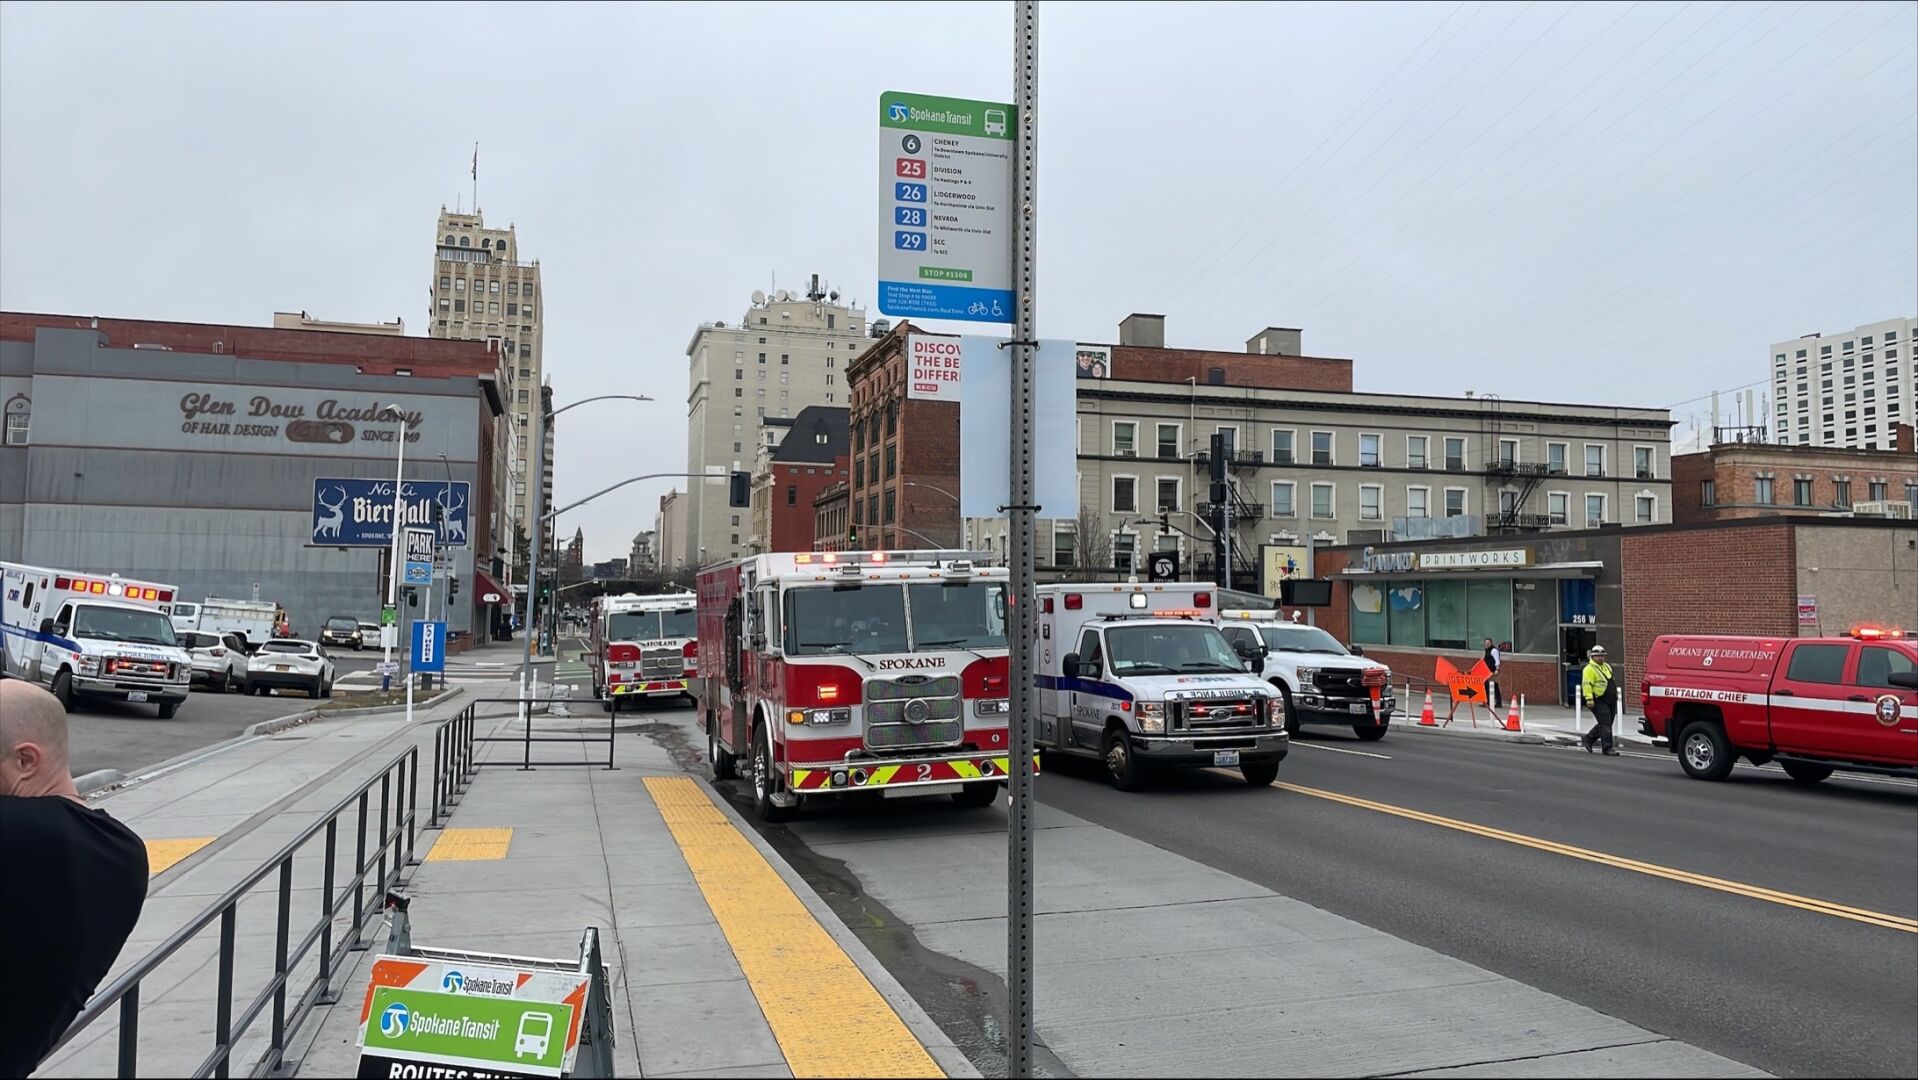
(398, 783)
(527, 738)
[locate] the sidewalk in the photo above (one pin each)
(1554, 725)
(722, 961)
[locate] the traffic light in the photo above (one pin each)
(452, 588)
(739, 492)
(852, 538)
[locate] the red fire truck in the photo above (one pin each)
(1813, 705)
(642, 647)
(834, 672)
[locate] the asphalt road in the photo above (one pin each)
(1789, 990)
(117, 735)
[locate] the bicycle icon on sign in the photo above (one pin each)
(980, 307)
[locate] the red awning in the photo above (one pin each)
(488, 591)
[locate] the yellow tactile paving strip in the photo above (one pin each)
(470, 845)
(828, 1019)
(163, 853)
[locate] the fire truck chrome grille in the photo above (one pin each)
(662, 663)
(915, 711)
(915, 736)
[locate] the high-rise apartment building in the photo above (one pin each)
(483, 291)
(787, 353)
(1848, 389)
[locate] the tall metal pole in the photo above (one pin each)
(389, 635)
(1022, 521)
(534, 483)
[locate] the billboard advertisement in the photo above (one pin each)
(359, 513)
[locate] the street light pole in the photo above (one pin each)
(537, 481)
(388, 634)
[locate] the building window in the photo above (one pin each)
(512, 309)
(1454, 455)
(1594, 511)
(445, 282)
(1507, 453)
(1369, 457)
(1708, 492)
(1415, 451)
(892, 461)
(492, 307)
(891, 497)
(1282, 499)
(1877, 490)
(1418, 502)
(792, 495)
(1125, 494)
(1841, 493)
(1555, 458)
(493, 287)
(1558, 507)
(859, 473)
(1507, 502)
(1594, 459)
(1371, 502)
(512, 288)
(785, 358)
(1124, 438)
(1647, 508)
(1062, 547)
(522, 400)
(739, 391)
(1454, 502)
(1168, 441)
(892, 417)
(1125, 548)
(1642, 462)
(1323, 500)
(1801, 492)
(1321, 448)
(1282, 446)
(19, 420)
(459, 305)
(1761, 491)
(1168, 495)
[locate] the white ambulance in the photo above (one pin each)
(643, 647)
(92, 636)
(1138, 676)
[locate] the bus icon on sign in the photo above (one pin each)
(995, 121)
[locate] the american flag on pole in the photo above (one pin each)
(476, 161)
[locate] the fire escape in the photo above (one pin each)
(1503, 471)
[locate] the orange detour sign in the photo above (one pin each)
(1464, 686)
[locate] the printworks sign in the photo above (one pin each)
(359, 513)
(1404, 562)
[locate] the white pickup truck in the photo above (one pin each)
(1322, 681)
(1138, 677)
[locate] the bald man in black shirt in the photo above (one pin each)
(72, 880)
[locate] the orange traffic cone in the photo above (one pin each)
(1426, 719)
(1511, 717)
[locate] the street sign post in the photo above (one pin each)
(945, 207)
(419, 557)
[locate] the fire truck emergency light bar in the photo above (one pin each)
(98, 587)
(909, 556)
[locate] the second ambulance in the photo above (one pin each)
(92, 636)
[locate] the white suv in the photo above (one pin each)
(1322, 681)
(219, 660)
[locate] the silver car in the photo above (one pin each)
(290, 664)
(219, 660)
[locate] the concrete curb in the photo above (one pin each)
(97, 779)
(1528, 738)
(949, 1057)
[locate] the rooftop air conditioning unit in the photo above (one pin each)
(1885, 508)
(1128, 453)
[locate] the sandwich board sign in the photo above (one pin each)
(449, 1018)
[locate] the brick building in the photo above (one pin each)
(810, 457)
(1553, 596)
(189, 453)
(832, 518)
(1316, 462)
(905, 454)
(1751, 479)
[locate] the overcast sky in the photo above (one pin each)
(1624, 203)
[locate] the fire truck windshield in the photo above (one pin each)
(678, 624)
(970, 615)
(124, 624)
(630, 625)
(872, 619)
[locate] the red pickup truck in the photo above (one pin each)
(1811, 704)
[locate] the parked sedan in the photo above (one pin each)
(290, 664)
(219, 660)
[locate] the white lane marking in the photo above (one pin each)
(1342, 750)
